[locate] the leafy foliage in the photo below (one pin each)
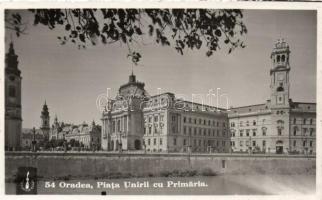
(180, 28)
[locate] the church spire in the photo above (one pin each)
(11, 49)
(45, 111)
(45, 121)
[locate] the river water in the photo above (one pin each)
(214, 185)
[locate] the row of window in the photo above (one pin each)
(233, 144)
(212, 132)
(247, 142)
(248, 123)
(249, 133)
(305, 121)
(280, 58)
(305, 130)
(241, 143)
(202, 121)
(202, 131)
(241, 123)
(153, 141)
(304, 143)
(156, 130)
(116, 125)
(185, 142)
(200, 142)
(154, 117)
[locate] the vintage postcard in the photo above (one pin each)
(162, 99)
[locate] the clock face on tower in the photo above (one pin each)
(280, 77)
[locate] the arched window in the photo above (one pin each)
(278, 58)
(283, 58)
(294, 130)
(279, 131)
(280, 121)
(264, 129)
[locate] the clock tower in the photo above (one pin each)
(280, 87)
(280, 101)
(13, 119)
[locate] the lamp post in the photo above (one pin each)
(189, 144)
(34, 140)
(64, 143)
(144, 146)
(250, 145)
(120, 143)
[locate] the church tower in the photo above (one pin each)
(280, 86)
(13, 119)
(45, 121)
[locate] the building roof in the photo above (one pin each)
(199, 106)
(303, 106)
(83, 128)
(249, 108)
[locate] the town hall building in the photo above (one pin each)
(279, 125)
(134, 120)
(161, 123)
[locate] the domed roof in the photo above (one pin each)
(132, 88)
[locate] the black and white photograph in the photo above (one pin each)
(162, 101)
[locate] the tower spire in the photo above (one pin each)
(12, 61)
(45, 121)
(45, 111)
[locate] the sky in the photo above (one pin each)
(70, 80)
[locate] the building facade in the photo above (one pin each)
(13, 119)
(173, 125)
(161, 123)
(86, 135)
(279, 125)
(134, 120)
